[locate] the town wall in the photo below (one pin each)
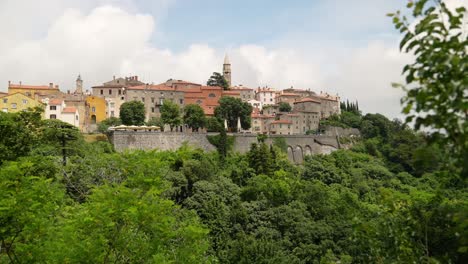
(298, 145)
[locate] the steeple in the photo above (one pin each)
(79, 85)
(227, 70)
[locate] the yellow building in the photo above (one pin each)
(17, 102)
(97, 109)
(33, 90)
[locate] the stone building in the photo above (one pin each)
(153, 97)
(281, 127)
(309, 110)
(246, 94)
(114, 92)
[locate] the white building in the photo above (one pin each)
(266, 96)
(56, 109)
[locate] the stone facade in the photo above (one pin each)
(299, 146)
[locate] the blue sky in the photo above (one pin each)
(338, 46)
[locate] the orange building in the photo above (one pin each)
(97, 109)
(33, 90)
(205, 96)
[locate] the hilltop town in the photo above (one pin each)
(87, 108)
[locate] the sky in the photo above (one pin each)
(343, 47)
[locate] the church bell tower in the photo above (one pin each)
(227, 70)
(79, 85)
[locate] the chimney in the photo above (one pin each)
(9, 82)
(51, 85)
(56, 86)
(136, 78)
(20, 83)
(114, 77)
(68, 91)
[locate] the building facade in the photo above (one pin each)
(17, 102)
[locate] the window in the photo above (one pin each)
(281, 126)
(271, 99)
(211, 95)
(112, 113)
(93, 109)
(120, 92)
(122, 98)
(110, 91)
(199, 101)
(13, 105)
(181, 101)
(112, 104)
(53, 116)
(143, 99)
(161, 101)
(152, 99)
(25, 101)
(5, 100)
(53, 107)
(152, 109)
(76, 117)
(102, 91)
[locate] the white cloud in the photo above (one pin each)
(108, 40)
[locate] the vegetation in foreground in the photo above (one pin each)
(391, 198)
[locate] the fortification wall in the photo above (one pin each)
(298, 146)
(123, 140)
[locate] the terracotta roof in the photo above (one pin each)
(69, 110)
(55, 102)
(262, 116)
(307, 99)
(231, 92)
(35, 87)
(158, 87)
(288, 94)
(281, 122)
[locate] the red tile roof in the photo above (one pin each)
(68, 110)
(308, 99)
(35, 87)
(281, 122)
(55, 102)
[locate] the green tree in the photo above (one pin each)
(56, 132)
(217, 79)
(285, 107)
(132, 113)
(194, 116)
(170, 114)
(231, 109)
(106, 123)
(436, 81)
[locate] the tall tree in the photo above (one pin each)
(194, 116)
(217, 79)
(436, 81)
(170, 114)
(132, 113)
(231, 109)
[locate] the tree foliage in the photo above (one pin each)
(285, 107)
(108, 122)
(436, 81)
(217, 79)
(194, 116)
(231, 109)
(132, 113)
(170, 114)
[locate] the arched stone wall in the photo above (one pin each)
(307, 150)
(298, 154)
(290, 153)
